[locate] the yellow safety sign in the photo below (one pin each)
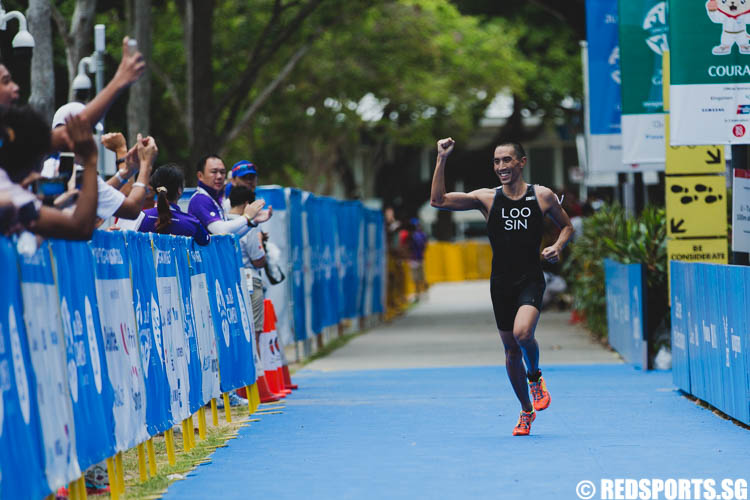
(693, 159)
(713, 250)
(696, 206)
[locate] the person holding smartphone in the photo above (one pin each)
(111, 201)
(25, 136)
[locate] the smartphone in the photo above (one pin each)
(50, 189)
(67, 161)
(132, 46)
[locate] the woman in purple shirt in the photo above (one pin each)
(166, 217)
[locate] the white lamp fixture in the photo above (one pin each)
(23, 38)
(82, 81)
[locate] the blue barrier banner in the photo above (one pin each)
(374, 241)
(246, 301)
(204, 327)
(368, 262)
(149, 323)
(90, 390)
(195, 372)
(48, 360)
(349, 226)
(680, 364)
(695, 331)
(625, 313)
(277, 229)
(114, 293)
(176, 349)
(21, 460)
(380, 263)
(234, 342)
(297, 250)
(604, 92)
(312, 209)
(328, 224)
(739, 342)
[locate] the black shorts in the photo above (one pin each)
(508, 295)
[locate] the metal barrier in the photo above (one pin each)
(710, 356)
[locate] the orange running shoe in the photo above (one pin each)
(523, 427)
(539, 394)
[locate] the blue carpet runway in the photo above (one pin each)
(446, 433)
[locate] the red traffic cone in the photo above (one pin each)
(266, 396)
(288, 379)
(269, 352)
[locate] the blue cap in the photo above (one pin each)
(243, 168)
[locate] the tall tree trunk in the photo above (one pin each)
(42, 69)
(200, 80)
(139, 102)
(80, 38)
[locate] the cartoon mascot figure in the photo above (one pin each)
(733, 15)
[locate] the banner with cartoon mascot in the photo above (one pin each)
(710, 72)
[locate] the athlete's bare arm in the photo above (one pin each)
(550, 205)
(480, 199)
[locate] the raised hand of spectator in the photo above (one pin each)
(79, 131)
(131, 66)
(252, 209)
(147, 150)
(263, 215)
(115, 141)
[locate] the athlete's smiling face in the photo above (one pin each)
(508, 167)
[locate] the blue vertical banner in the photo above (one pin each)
(21, 460)
(680, 364)
(48, 360)
(380, 263)
(349, 224)
(176, 349)
(195, 372)
(604, 93)
(236, 364)
(625, 311)
(90, 390)
(114, 293)
(314, 245)
(148, 321)
(204, 327)
(277, 229)
(328, 224)
(297, 249)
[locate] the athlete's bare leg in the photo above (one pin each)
(515, 368)
(523, 331)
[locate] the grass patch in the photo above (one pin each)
(336, 343)
(185, 462)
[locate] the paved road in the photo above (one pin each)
(455, 326)
(422, 408)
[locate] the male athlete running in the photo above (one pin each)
(515, 213)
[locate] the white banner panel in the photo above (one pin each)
(710, 114)
(175, 346)
(47, 349)
(643, 141)
(115, 297)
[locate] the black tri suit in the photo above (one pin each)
(515, 231)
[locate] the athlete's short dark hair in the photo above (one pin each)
(517, 148)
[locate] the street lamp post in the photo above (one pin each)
(23, 39)
(94, 64)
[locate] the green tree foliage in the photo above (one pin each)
(402, 72)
